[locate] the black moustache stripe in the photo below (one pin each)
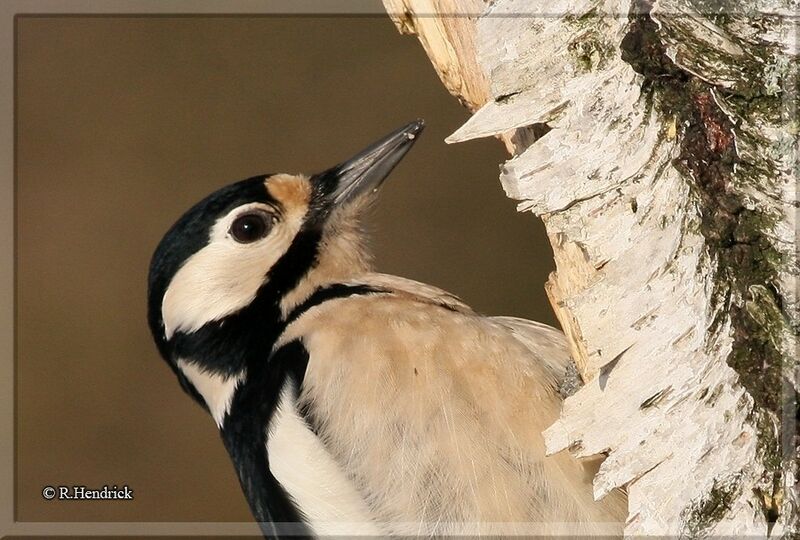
(294, 266)
(230, 344)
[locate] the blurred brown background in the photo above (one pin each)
(122, 124)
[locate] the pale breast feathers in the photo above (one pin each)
(435, 413)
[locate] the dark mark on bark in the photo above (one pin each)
(655, 398)
(747, 261)
(504, 98)
(605, 371)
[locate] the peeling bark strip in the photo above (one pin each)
(658, 142)
(448, 42)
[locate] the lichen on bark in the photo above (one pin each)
(702, 515)
(737, 233)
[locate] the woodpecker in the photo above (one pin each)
(353, 402)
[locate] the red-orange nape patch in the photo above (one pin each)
(292, 191)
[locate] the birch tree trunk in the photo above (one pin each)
(658, 142)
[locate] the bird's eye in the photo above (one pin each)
(250, 227)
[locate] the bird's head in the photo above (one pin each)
(249, 252)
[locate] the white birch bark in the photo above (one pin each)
(658, 142)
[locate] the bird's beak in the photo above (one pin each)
(366, 171)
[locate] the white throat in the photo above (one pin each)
(217, 390)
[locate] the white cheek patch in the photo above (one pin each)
(224, 276)
(217, 390)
